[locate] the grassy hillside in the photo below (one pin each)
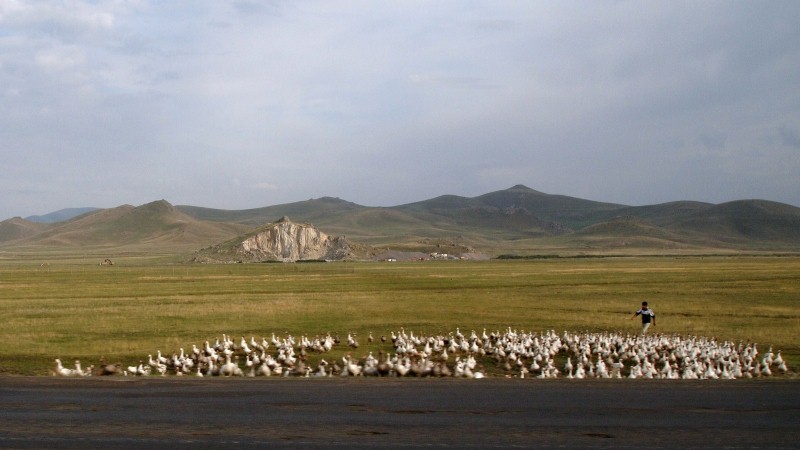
(516, 220)
(309, 211)
(570, 212)
(525, 221)
(60, 215)
(155, 227)
(746, 221)
(18, 228)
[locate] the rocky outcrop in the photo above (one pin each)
(284, 241)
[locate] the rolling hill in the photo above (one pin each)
(19, 228)
(60, 215)
(516, 220)
(153, 226)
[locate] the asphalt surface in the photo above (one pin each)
(47, 412)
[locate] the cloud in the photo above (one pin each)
(61, 58)
(384, 104)
(789, 137)
(452, 81)
(264, 186)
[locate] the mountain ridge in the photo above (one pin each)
(517, 219)
(60, 215)
(152, 224)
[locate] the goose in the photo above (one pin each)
(352, 368)
(209, 351)
(383, 365)
(289, 359)
(568, 367)
(427, 350)
(212, 369)
(298, 370)
(264, 370)
(370, 369)
(580, 372)
(133, 370)
(466, 372)
(161, 369)
(444, 370)
(602, 355)
(552, 371)
(710, 373)
(245, 348)
(726, 375)
(255, 345)
(230, 368)
(161, 359)
(616, 369)
(402, 368)
(779, 362)
(689, 374)
(737, 371)
(250, 366)
(142, 370)
(602, 371)
(187, 363)
(327, 344)
(322, 368)
(62, 371)
(768, 357)
(351, 341)
(184, 370)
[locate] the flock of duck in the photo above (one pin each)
(508, 353)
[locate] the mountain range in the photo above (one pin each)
(518, 220)
(60, 215)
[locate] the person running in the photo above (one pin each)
(647, 316)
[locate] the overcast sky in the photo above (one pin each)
(244, 104)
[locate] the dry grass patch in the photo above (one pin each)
(128, 311)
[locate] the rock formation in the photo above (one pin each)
(284, 241)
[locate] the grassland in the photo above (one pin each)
(77, 309)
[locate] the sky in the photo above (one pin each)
(245, 104)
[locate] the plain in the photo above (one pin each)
(77, 309)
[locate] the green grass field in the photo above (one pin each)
(127, 311)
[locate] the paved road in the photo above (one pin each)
(213, 413)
